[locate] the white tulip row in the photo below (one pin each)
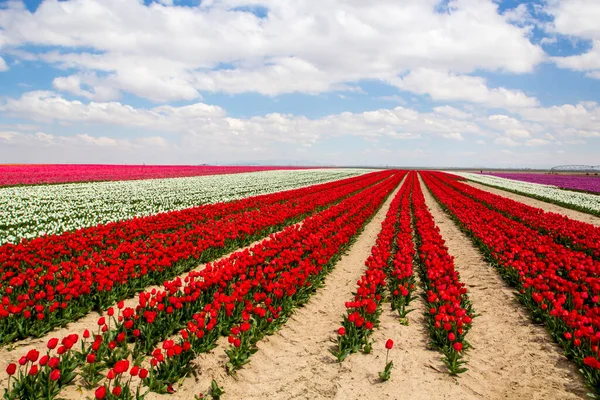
(32, 211)
(554, 194)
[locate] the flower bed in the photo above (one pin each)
(47, 282)
(32, 211)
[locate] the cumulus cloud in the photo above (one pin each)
(581, 119)
(452, 112)
(505, 141)
(578, 19)
(453, 136)
(201, 122)
(164, 52)
(447, 86)
(3, 65)
(191, 133)
(537, 142)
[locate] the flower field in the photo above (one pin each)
(576, 182)
(313, 282)
(12, 175)
(32, 211)
(585, 202)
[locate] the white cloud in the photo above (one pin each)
(453, 136)
(505, 141)
(167, 53)
(582, 116)
(518, 133)
(589, 61)
(447, 86)
(48, 106)
(42, 139)
(537, 142)
(575, 17)
(75, 84)
(452, 112)
(201, 122)
(578, 19)
(3, 65)
(185, 132)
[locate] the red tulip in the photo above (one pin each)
(55, 375)
(11, 369)
(389, 344)
(100, 392)
(52, 343)
(33, 355)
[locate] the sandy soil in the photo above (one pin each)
(511, 357)
(573, 214)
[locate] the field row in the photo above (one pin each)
(586, 202)
(32, 211)
(33, 174)
(585, 183)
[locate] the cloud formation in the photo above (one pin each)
(167, 53)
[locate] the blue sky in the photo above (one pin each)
(468, 83)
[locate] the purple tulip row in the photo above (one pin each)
(588, 183)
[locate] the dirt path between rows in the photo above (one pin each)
(573, 214)
(511, 357)
(295, 362)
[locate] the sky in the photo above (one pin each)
(433, 83)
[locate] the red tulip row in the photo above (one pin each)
(363, 312)
(450, 312)
(401, 281)
(246, 296)
(561, 287)
(49, 281)
(576, 234)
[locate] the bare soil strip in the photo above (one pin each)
(573, 214)
(511, 356)
(295, 362)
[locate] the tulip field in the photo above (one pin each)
(193, 283)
